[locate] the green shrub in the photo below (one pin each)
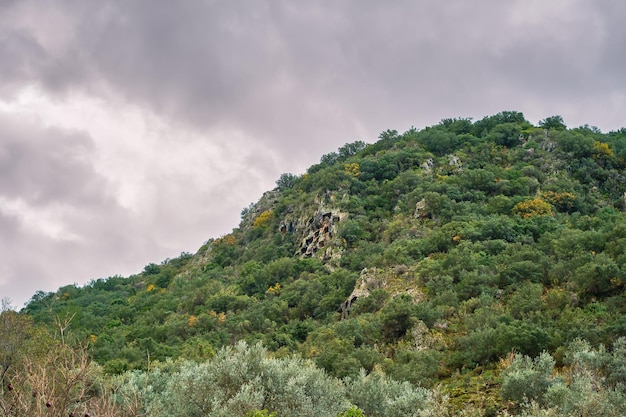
(240, 380)
(589, 385)
(527, 379)
(352, 412)
(380, 396)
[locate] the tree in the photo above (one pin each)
(532, 208)
(378, 395)
(286, 181)
(242, 379)
(263, 220)
(438, 141)
(484, 126)
(48, 376)
(506, 134)
(350, 149)
(553, 123)
(352, 232)
(528, 379)
(15, 330)
(457, 126)
(583, 387)
(398, 317)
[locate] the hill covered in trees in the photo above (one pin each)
(468, 267)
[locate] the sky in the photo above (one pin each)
(134, 130)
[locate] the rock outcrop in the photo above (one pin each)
(314, 225)
(321, 229)
(395, 281)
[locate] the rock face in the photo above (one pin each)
(455, 162)
(420, 209)
(266, 203)
(315, 227)
(394, 281)
(428, 165)
(321, 229)
(313, 224)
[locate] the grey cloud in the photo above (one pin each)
(9, 226)
(25, 59)
(60, 222)
(298, 79)
(42, 165)
(18, 54)
(47, 181)
(613, 59)
(42, 263)
(283, 70)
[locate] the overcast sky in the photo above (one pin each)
(134, 130)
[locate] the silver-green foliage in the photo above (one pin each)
(238, 380)
(527, 380)
(380, 396)
(591, 383)
(242, 379)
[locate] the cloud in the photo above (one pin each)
(351, 68)
(144, 127)
(42, 165)
(49, 199)
(76, 205)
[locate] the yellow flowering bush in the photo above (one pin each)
(532, 208)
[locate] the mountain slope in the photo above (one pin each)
(430, 255)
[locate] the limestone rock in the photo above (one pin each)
(420, 209)
(428, 165)
(391, 280)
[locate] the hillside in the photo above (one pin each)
(438, 257)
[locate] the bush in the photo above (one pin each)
(527, 380)
(352, 412)
(506, 134)
(532, 208)
(380, 396)
(583, 390)
(240, 380)
(398, 316)
(263, 220)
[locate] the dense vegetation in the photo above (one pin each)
(468, 267)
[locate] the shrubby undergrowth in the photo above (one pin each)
(590, 382)
(242, 379)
